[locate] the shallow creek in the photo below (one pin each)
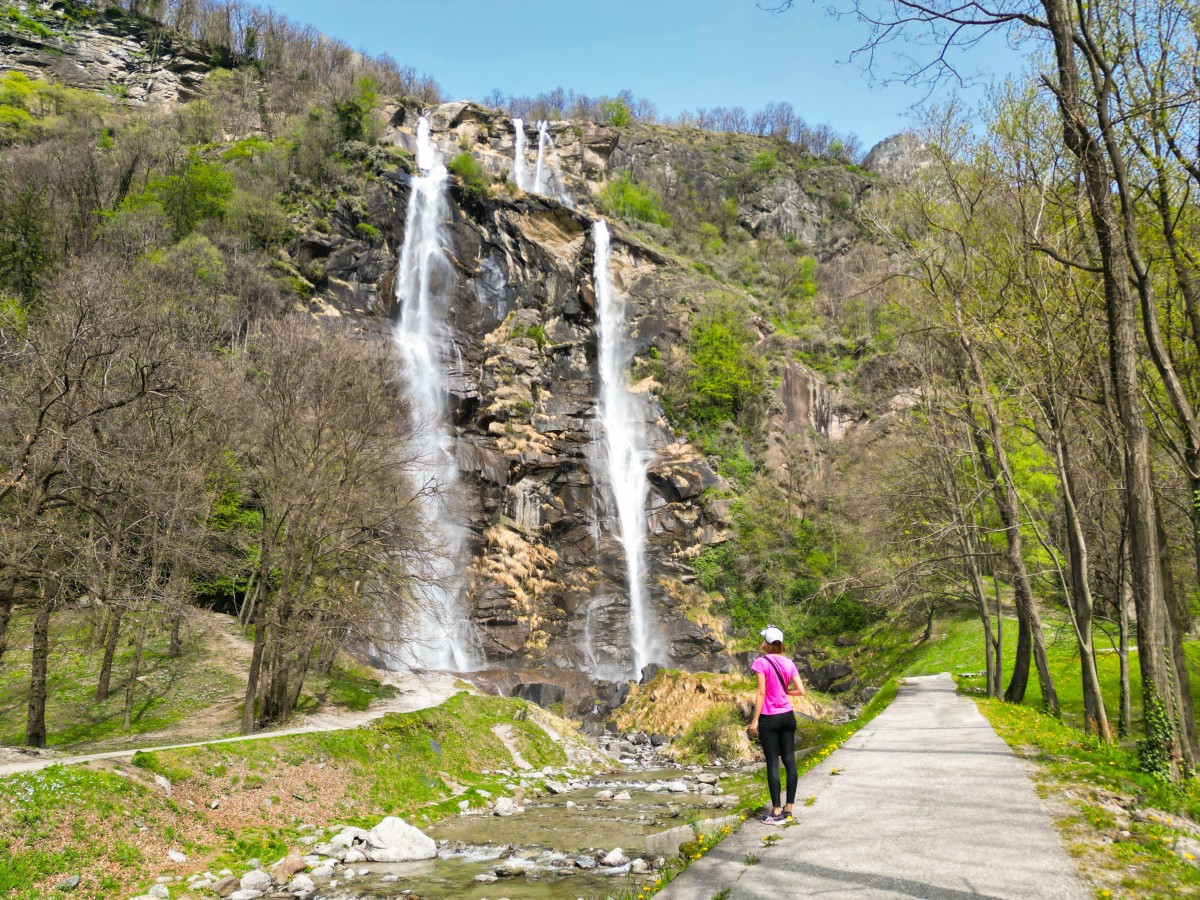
(549, 851)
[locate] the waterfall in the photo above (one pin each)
(519, 154)
(441, 636)
(539, 172)
(625, 454)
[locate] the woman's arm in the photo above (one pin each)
(752, 729)
(796, 688)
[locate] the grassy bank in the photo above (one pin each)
(114, 825)
(1132, 835)
(194, 696)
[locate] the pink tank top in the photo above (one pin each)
(777, 700)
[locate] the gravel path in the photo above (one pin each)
(930, 803)
(414, 691)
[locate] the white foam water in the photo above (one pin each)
(440, 636)
(625, 458)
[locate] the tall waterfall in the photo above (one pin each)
(519, 175)
(442, 636)
(539, 171)
(625, 454)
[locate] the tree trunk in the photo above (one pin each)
(175, 650)
(1031, 639)
(8, 589)
(1124, 598)
(1095, 717)
(1185, 712)
(1163, 747)
(999, 686)
(35, 723)
(256, 660)
(134, 671)
(111, 639)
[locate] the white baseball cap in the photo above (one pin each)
(771, 634)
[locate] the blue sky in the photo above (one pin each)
(682, 54)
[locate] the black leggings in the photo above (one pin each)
(777, 734)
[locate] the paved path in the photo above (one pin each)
(931, 803)
(415, 691)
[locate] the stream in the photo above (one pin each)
(554, 849)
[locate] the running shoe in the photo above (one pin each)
(774, 819)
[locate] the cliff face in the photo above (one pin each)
(547, 580)
(547, 583)
(129, 58)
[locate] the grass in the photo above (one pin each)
(957, 647)
(170, 691)
(113, 825)
(196, 696)
(1122, 854)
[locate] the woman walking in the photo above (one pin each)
(774, 722)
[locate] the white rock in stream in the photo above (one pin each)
(392, 840)
(621, 795)
(615, 858)
(258, 880)
(506, 806)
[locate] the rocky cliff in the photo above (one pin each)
(547, 573)
(546, 579)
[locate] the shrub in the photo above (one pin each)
(626, 199)
(716, 734)
(765, 162)
(474, 179)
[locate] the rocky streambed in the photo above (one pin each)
(570, 837)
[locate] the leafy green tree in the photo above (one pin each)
(198, 191)
(726, 376)
(624, 197)
(616, 112)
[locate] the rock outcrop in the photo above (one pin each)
(546, 583)
(125, 56)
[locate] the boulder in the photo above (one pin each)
(512, 868)
(392, 840)
(228, 885)
(505, 806)
(302, 884)
(843, 686)
(289, 866)
(258, 880)
(68, 884)
(614, 858)
(348, 836)
(822, 679)
(649, 671)
(542, 693)
(245, 895)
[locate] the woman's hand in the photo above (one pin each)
(752, 729)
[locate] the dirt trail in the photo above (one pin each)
(414, 691)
